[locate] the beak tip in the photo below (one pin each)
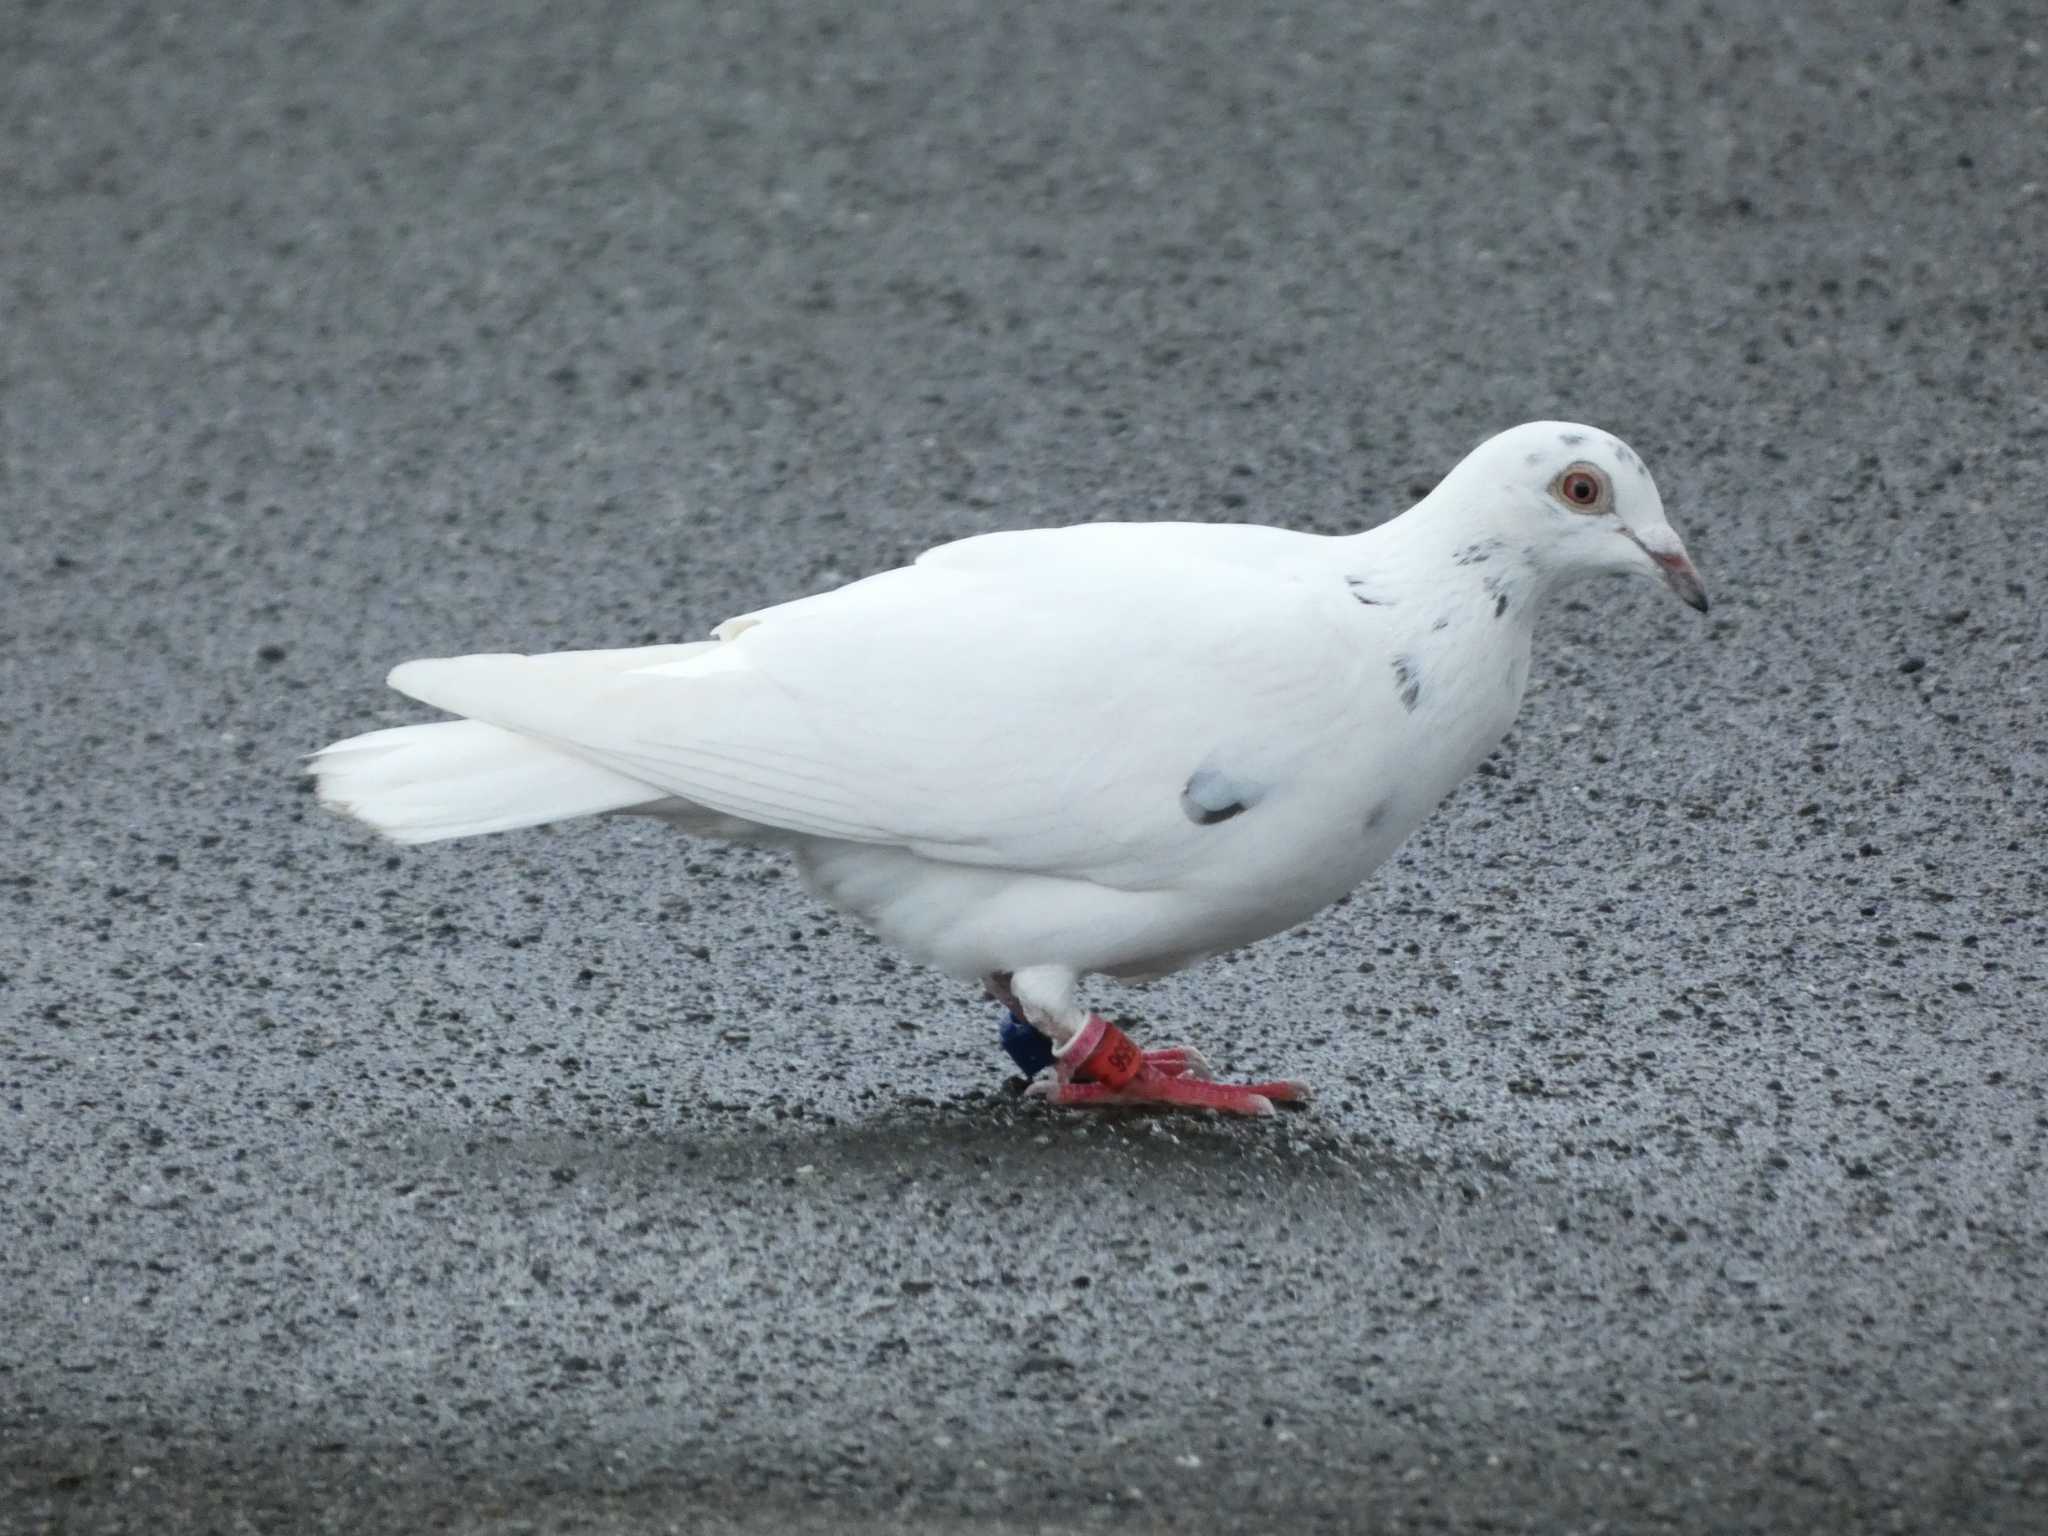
(1676, 567)
(1680, 577)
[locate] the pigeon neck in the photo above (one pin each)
(1470, 555)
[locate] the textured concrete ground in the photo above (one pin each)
(1680, 1165)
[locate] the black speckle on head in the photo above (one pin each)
(1408, 682)
(1532, 460)
(1377, 816)
(1500, 589)
(1442, 623)
(1626, 455)
(1500, 606)
(1210, 797)
(1357, 586)
(1571, 439)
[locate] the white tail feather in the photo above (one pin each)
(461, 778)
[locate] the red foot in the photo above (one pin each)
(1102, 1068)
(1179, 1061)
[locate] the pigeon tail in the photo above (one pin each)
(463, 778)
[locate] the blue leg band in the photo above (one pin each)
(1027, 1047)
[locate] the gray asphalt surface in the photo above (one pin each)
(1679, 1166)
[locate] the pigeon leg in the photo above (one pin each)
(1032, 1049)
(1033, 1053)
(1097, 1066)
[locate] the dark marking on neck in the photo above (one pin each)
(1442, 623)
(1377, 816)
(1408, 682)
(1501, 589)
(1476, 553)
(1357, 586)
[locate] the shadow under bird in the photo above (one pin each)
(1029, 757)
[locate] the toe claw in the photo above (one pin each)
(1284, 1091)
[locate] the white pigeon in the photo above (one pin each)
(1028, 757)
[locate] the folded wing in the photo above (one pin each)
(1001, 709)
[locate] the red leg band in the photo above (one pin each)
(1104, 1054)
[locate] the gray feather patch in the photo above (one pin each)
(1212, 796)
(1408, 681)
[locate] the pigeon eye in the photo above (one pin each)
(1581, 487)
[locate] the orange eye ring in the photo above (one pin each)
(1581, 487)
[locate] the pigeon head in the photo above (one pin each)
(1581, 500)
